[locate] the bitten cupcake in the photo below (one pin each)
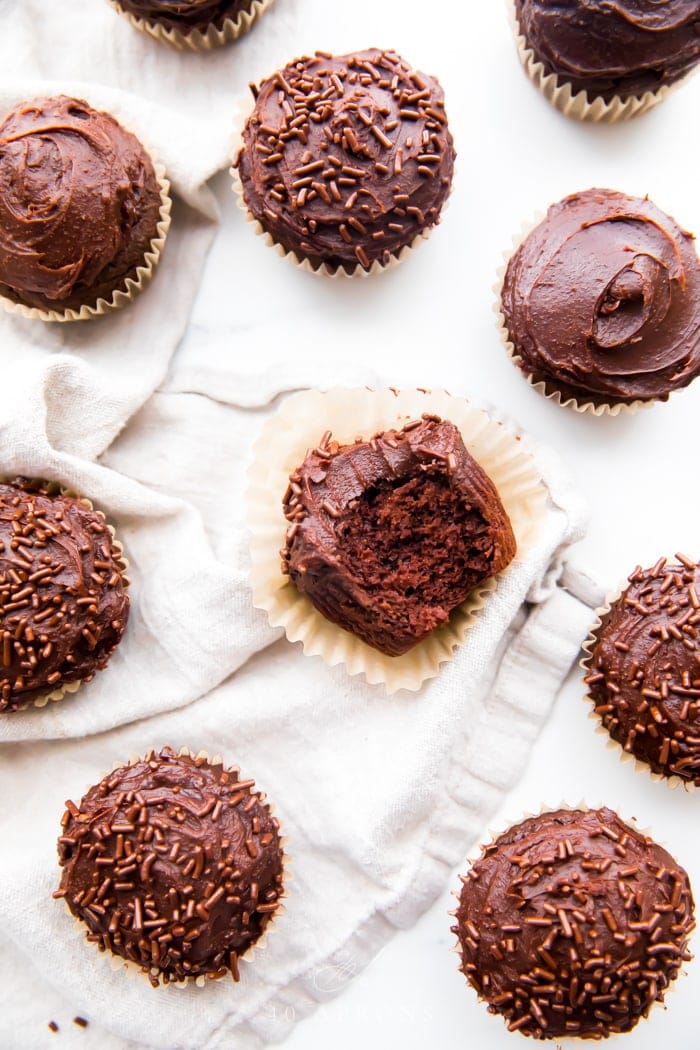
(601, 302)
(606, 61)
(346, 160)
(643, 667)
(63, 601)
(572, 923)
(174, 863)
(397, 515)
(195, 24)
(83, 212)
(388, 536)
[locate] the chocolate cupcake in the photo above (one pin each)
(83, 211)
(606, 61)
(173, 863)
(346, 160)
(63, 605)
(387, 536)
(572, 923)
(195, 24)
(601, 302)
(643, 663)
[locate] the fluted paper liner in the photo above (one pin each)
(673, 781)
(576, 104)
(542, 386)
(493, 833)
(196, 39)
(322, 269)
(245, 961)
(54, 488)
(133, 283)
(281, 447)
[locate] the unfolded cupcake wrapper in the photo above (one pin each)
(132, 285)
(132, 969)
(576, 104)
(322, 269)
(198, 39)
(673, 782)
(494, 833)
(280, 449)
(549, 391)
(54, 488)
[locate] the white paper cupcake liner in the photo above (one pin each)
(131, 285)
(321, 269)
(198, 40)
(54, 488)
(132, 969)
(576, 104)
(542, 386)
(489, 838)
(280, 449)
(673, 782)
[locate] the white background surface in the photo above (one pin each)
(430, 323)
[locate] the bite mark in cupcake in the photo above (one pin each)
(387, 536)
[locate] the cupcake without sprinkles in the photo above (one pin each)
(346, 160)
(601, 60)
(600, 303)
(83, 211)
(194, 24)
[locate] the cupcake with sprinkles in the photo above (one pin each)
(175, 864)
(573, 923)
(643, 669)
(63, 601)
(346, 161)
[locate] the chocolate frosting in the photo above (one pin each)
(347, 159)
(573, 924)
(63, 609)
(174, 863)
(79, 204)
(644, 668)
(613, 47)
(186, 14)
(387, 536)
(602, 300)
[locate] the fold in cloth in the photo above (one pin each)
(372, 841)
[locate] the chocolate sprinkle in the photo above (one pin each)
(644, 668)
(63, 607)
(573, 923)
(173, 863)
(346, 159)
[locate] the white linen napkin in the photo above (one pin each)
(372, 840)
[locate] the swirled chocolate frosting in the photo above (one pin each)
(186, 14)
(613, 47)
(387, 536)
(79, 204)
(602, 300)
(573, 924)
(644, 668)
(173, 863)
(63, 607)
(345, 160)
